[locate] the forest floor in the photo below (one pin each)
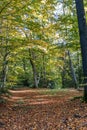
(42, 109)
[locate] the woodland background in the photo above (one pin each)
(39, 44)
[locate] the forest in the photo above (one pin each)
(43, 64)
(39, 44)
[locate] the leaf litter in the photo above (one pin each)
(34, 110)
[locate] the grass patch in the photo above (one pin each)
(4, 91)
(20, 102)
(52, 92)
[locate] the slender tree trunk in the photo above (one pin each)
(72, 70)
(4, 69)
(63, 77)
(34, 69)
(5, 53)
(63, 71)
(4, 75)
(24, 64)
(44, 72)
(83, 40)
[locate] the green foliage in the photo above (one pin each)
(2, 101)
(24, 79)
(3, 91)
(40, 27)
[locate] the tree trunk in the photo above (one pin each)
(83, 40)
(4, 76)
(24, 64)
(4, 72)
(63, 73)
(35, 76)
(72, 70)
(4, 54)
(63, 77)
(44, 72)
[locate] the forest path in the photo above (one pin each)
(41, 96)
(43, 109)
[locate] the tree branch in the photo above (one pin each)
(5, 6)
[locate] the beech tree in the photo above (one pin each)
(83, 39)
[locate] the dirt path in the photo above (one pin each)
(42, 96)
(43, 110)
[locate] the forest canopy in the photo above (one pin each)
(39, 44)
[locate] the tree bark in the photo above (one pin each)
(63, 71)
(5, 53)
(34, 69)
(72, 70)
(44, 72)
(83, 40)
(24, 64)
(4, 70)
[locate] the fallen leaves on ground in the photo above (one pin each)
(35, 110)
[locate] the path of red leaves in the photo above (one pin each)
(35, 110)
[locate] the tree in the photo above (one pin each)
(83, 39)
